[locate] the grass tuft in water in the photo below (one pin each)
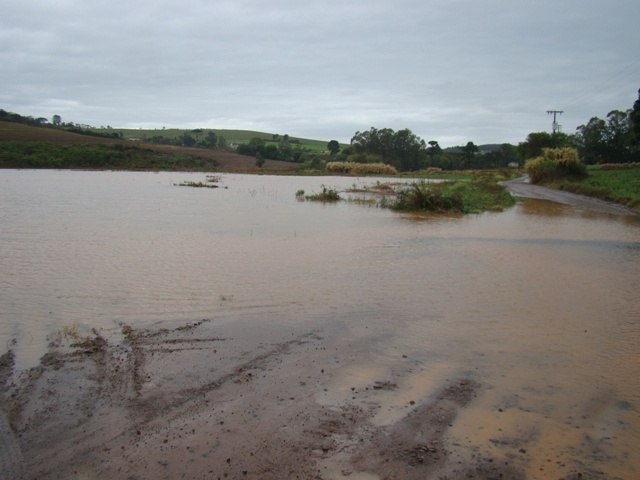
(326, 195)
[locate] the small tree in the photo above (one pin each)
(433, 150)
(469, 151)
(635, 121)
(536, 141)
(187, 140)
(334, 147)
(259, 160)
(56, 120)
(211, 140)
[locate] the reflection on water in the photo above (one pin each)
(538, 303)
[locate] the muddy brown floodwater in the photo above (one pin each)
(159, 332)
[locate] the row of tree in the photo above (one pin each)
(35, 122)
(56, 121)
(406, 151)
(614, 140)
(279, 148)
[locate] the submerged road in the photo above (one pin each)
(520, 187)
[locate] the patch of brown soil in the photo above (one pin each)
(199, 401)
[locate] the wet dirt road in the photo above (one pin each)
(520, 187)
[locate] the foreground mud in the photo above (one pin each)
(197, 402)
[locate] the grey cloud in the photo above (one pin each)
(458, 70)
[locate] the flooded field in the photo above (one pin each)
(521, 328)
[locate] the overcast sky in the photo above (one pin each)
(449, 70)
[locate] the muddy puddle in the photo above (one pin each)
(151, 331)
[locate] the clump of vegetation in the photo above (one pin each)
(460, 197)
(428, 197)
(363, 157)
(355, 168)
(188, 183)
(326, 195)
(555, 164)
(378, 187)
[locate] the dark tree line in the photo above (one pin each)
(407, 152)
(16, 118)
(615, 139)
(280, 148)
(402, 149)
(55, 123)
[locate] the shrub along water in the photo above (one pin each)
(555, 164)
(354, 168)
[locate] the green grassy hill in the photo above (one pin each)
(232, 137)
(27, 146)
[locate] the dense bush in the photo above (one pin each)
(364, 158)
(555, 164)
(428, 197)
(354, 168)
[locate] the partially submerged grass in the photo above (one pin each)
(382, 188)
(479, 195)
(326, 195)
(461, 197)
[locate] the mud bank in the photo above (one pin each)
(201, 401)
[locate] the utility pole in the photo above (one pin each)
(555, 125)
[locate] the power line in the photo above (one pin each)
(608, 83)
(555, 125)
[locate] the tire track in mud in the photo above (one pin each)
(52, 407)
(11, 459)
(104, 409)
(142, 343)
(90, 394)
